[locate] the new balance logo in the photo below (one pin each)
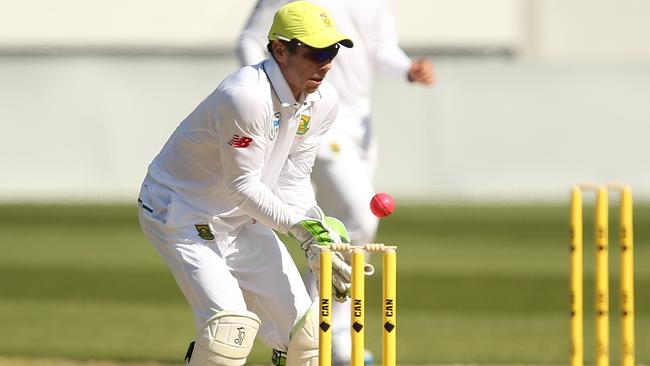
(240, 141)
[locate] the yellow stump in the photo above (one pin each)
(389, 319)
(627, 278)
(325, 317)
(357, 303)
(602, 278)
(577, 347)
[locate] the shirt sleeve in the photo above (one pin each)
(384, 42)
(294, 183)
(242, 145)
(252, 41)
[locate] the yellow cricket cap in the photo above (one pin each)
(308, 23)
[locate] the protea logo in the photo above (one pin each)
(303, 126)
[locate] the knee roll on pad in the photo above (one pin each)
(303, 344)
(226, 339)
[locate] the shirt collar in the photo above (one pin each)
(281, 87)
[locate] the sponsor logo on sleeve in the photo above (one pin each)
(240, 141)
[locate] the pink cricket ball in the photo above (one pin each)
(382, 204)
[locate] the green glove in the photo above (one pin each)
(323, 231)
(314, 232)
(336, 225)
(319, 229)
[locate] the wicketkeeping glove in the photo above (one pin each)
(323, 231)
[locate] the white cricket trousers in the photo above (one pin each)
(253, 271)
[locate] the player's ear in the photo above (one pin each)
(280, 51)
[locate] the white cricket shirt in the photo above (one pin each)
(246, 151)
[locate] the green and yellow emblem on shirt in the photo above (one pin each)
(303, 126)
(204, 231)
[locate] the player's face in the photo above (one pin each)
(307, 67)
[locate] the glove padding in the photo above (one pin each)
(341, 272)
(323, 231)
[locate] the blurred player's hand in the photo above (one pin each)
(421, 71)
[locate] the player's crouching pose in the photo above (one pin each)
(237, 168)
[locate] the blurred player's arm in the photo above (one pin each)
(387, 54)
(252, 41)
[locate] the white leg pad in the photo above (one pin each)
(303, 345)
(226, 339)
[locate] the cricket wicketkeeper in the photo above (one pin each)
(233, 172)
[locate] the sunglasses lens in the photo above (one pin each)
(320, 55)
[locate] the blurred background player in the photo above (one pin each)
(236, 169)
(345, 165)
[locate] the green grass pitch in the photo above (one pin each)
(476, 284)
